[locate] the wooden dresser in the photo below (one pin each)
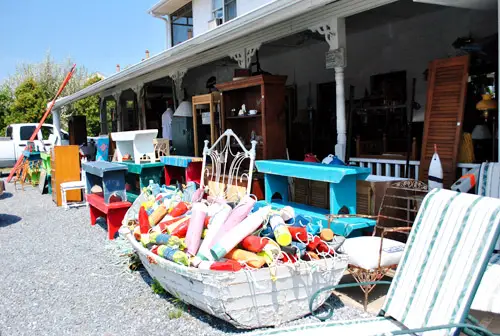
(65, 167)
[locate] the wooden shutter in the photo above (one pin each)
(444, 115)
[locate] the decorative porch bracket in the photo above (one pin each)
(177, 77)
(333, 30)
(244, 55)
(140, 94)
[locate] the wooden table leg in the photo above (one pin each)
(94, 214)
(114, 221)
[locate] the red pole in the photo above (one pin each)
(49, 110)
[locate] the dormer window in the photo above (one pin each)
(224, 10)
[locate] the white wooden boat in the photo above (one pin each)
(246, 299)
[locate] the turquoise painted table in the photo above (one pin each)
(141, 174)
(342, 186)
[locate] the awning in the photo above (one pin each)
(272, 21)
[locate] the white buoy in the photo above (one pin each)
(435, 171)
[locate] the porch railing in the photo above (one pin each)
(396, 168)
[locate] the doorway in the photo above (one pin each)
(325, 121)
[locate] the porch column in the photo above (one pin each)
(103, 114)
(496, 84)
(119, 124)
(141, 107)
(333, 30)
(56, 121)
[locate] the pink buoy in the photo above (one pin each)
(193, 236)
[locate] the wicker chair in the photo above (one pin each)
(396, 215)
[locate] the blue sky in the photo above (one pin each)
(97, 34)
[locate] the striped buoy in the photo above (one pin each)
(435, 171)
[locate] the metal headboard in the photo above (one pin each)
(224, 170)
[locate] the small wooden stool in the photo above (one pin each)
(113, 212)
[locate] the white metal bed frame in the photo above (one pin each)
(223, 171)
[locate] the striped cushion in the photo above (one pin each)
(488, 294)
(489, 183)
(445, 257)
(489, 180)
(366, 327)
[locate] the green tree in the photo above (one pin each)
(5, 103)
(89, 107)
(45, 78)
(29, 100)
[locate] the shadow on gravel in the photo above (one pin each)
(6, 195)
(6, 220)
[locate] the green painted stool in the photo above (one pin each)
(139, 175)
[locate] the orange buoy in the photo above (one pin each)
(313, 244)
(311, 256)
(171, 227)
(326, 235)
(251, 259)
(181, 230)
(298, 233)
(228, 265)
(253, 243)
(180, 209)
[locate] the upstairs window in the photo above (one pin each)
(182, 24)
(224, 9)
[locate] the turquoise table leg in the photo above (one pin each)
(276, 184)
(343, 194)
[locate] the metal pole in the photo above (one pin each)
(409, 123)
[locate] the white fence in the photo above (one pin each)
(397, 168)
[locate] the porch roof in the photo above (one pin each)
(272, 21)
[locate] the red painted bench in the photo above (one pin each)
(113, 212)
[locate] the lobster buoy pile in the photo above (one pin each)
(216, 235)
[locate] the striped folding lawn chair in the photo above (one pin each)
(444, 260)
(488, 295)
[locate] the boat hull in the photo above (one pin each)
(246, 299)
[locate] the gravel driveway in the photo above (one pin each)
(61, 276)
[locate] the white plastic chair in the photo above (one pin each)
(74, 185)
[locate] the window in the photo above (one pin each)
(229, 10)
(46, 132)
(225, 12)
(8, 132)
(182, 24)
(25, 132)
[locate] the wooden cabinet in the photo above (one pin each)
(77, 128)
(266, 94)
(65, 167)
(210, 102)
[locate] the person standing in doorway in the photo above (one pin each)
(166, 123)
